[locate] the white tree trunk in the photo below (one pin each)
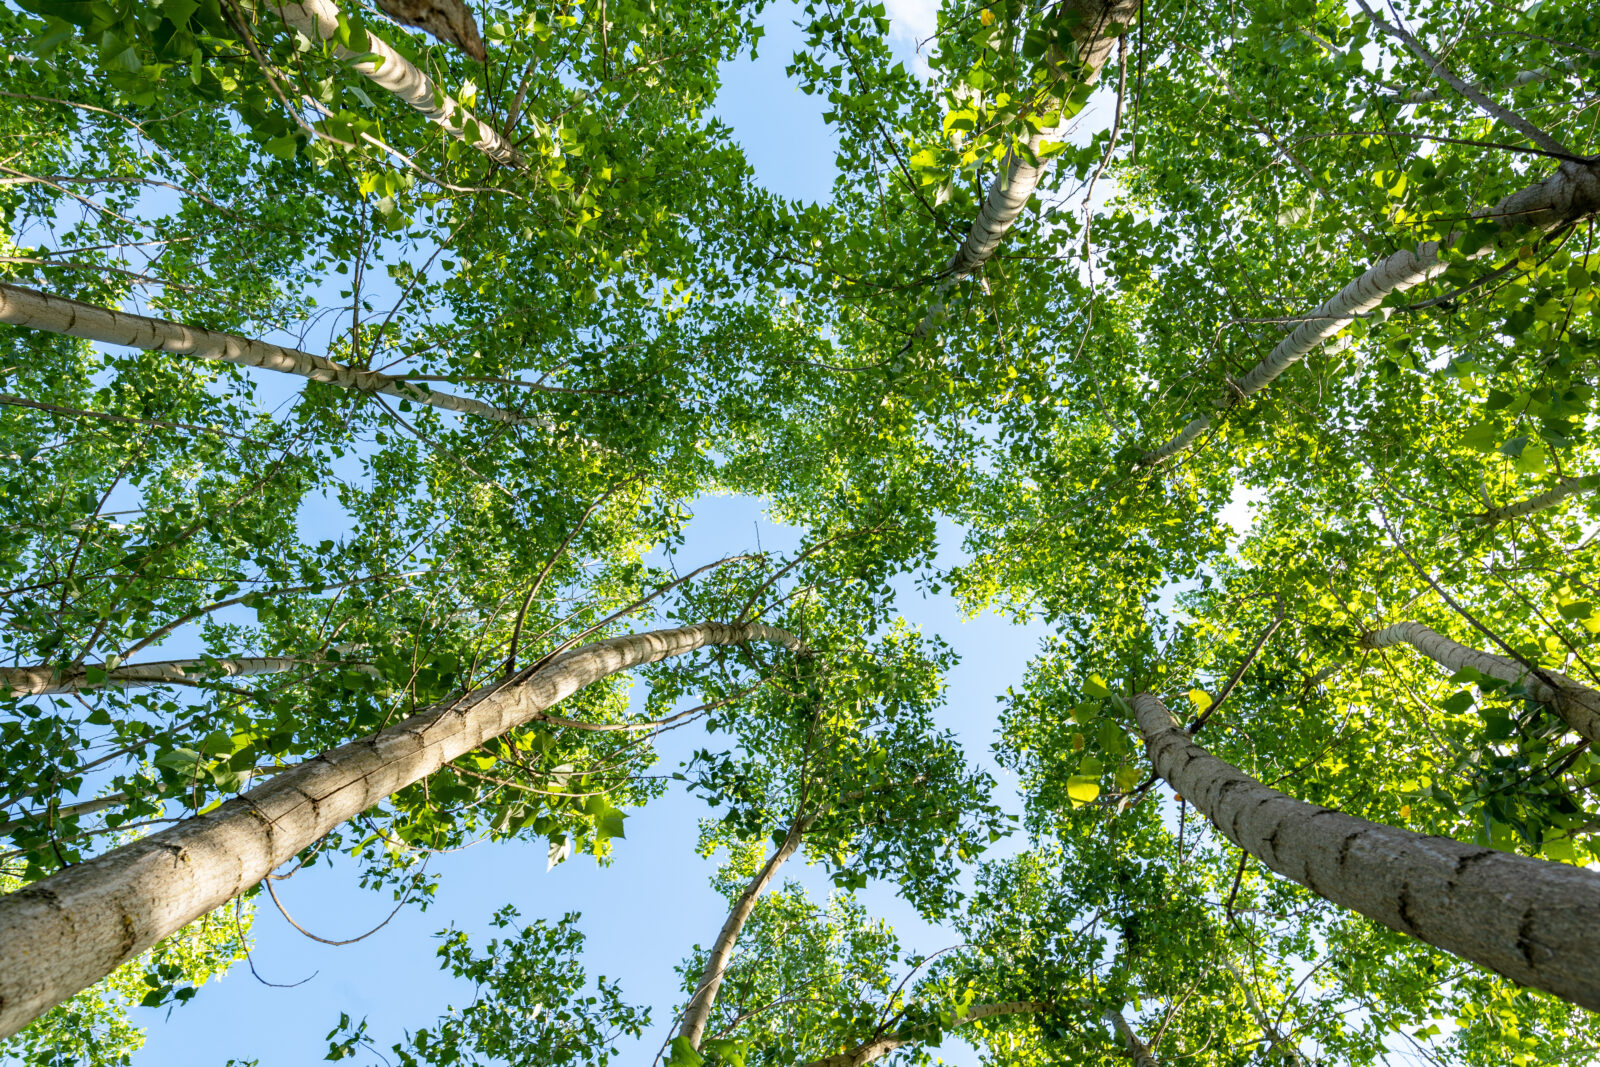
(1563, 198)
(1559, 69)
(1281, 1046)
(114, 800)
(1574, 702)
(698, 1013)
(1567, 487)
(1010, 192)
(56, 314)
(1530, 920)
(318, 20)
(67, 931)
(37, 681)
(1137, 1050)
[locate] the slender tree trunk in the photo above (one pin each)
(698, 1013)
(1530, 920)
(1576, 703)
(113, 800)
(1560, 69)
(319, 21)
(57, 314)
(1280, 1045)
(1138, 1051)
(883, 1044)
(1567, 487)
(35, 681)
(1010, 192)
(65, 932)
(1560, 200)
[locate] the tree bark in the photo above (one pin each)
(1565, 488)
(1530, 920)
(56, 314)
(37, 681)
(883, 1044)
(698, 1013)
(318, 20)
(1574, 702)
(1560, 200)
(1138, 1051)
(1010, 192)
(65, 932)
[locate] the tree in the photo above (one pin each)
(530, 303)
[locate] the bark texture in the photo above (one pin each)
(21, 306)
(1530, 920)
(698, 1012)
(1560, 200)
(1010, 192)
(883, 1044)
(319, 21)
(65, 932)
(36, 681)
(1567, 487)
(1574, 702)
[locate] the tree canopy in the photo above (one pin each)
(361, 366)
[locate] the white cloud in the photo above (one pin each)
(910, 23)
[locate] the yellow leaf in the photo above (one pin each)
(1083, 790)
(1201, 699)
(986, 17)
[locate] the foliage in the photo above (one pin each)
(665, 331)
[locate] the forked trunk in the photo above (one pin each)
(1530, 920)
(66, 932)
(1575, 703)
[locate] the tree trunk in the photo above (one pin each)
(1559, 69)
(1561, 199)
(65, 932)
(698, 1012)
(1010, 192)
(36, 681)
(1575, 703)
(56, 314)
(319, 21)
(882, 1045)
(113, 800)
(1138, 1051)
(1567, 487)
(1530, 920)
(1280, 1045)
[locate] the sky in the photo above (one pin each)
(643, 913)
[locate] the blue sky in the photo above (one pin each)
(645, 911)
